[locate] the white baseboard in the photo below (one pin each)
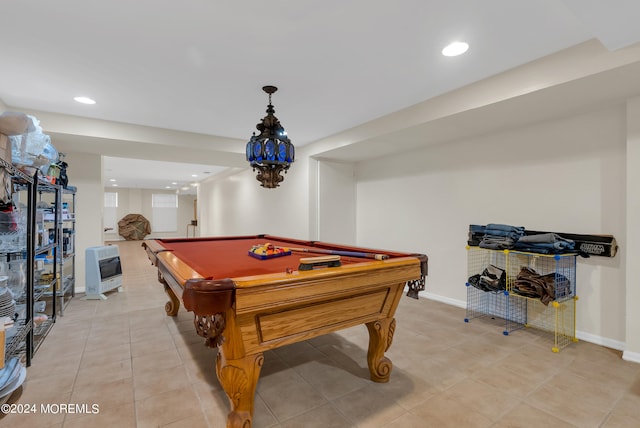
(453, 302)
(599, 340)
(634, 357)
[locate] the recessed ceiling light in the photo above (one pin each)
(194, 175)
(112, 179)
(455, 49)
(84, 100)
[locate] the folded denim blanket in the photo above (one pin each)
(505, 227)
(500, 233)
(497, 242)
(495, 230)
(552, 240)
(540, 249)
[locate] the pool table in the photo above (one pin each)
(245, 305)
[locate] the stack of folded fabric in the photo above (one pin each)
(545, 243)
(476, 232)
(501, 236)
(547, 288)
(496, 236)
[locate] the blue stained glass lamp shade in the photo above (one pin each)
(249, 152)
(270, 152)
(282, 152)
(262, 150)
(257, 151)
(292, 154)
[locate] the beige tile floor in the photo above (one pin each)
(144, 369)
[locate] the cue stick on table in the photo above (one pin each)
(342, 253)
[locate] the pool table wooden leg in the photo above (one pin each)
(239, 379)
(173, 305)
(380, 338)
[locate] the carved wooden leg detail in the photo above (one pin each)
(239, 379)
(380, 338)
(173, 305)
(210, 327)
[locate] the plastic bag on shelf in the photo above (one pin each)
(28, 149)
(33, 149)
(14, 123)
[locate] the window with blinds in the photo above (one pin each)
(110, 210)
(164, 208)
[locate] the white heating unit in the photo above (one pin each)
(103, 271)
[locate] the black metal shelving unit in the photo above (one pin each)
(47, 290)
(67, 247)
(21, 341)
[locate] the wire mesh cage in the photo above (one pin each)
(478, 259)
(509, 309)
(557, 318)
(548, 277)
(523, 289)
(487, 295)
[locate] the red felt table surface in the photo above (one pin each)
(228, 258)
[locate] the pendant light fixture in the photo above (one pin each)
(270, 152)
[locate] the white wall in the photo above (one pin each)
(138, 201)
(133, 202)
(632, 350)
(238, 205)
(336, 208)
(85, 173)
(315, 201)
(566, 175)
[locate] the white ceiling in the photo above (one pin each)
(194, 69)
(150, 174)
